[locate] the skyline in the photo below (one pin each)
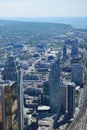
(43, 8)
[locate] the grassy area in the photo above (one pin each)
(68, 124)
(77, 93)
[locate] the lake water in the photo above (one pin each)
(77, 22)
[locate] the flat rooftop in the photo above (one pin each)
(43, 108)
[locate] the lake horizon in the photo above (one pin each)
(77, 22)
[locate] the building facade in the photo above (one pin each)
(70, 99)
(54, 87)
(2, 109)
(77, 74)
(74, 49)
(64, 51)
(12, 72)
(74, 46)
(46, 93)
(63, 98)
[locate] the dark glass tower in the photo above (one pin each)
(2, 109)
(10, 69)
(46, 93)
(77, 74)
(64, 51)
(74, 50)
(70, 100)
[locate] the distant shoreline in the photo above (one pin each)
(77, 22)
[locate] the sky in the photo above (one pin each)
(43, 8)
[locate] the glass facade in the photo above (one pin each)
(0, 109)
(13, 95)
(11, 107)
(55, 88)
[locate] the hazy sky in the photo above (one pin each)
(43, 8)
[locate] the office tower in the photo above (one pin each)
(74, 49)
(12, 72)
(2, 109)
(46, 93)
(10, 69)
(64, 51)
(9, 105)
(68, 98)
(70, 104)
(77, 74)
(63, 98)
(54, 87)
(74, 46)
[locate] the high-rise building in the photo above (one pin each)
(74, 50)
(74, 46)
(77, 74)
(12, 72)
(9, 104)
(10, 69)
(64, 51)
(2, 109)
(70, 99)
(54, 87)
(63, 98)
(46, 93)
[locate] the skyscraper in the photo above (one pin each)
(2, 109)
(54, 87)
(64, 51)
(46, 93)
(10, 69)
(12, 72)
(9, 104)
(74, 46)
(70, 104)
(74, 50)
(77, 74)
(63, 97)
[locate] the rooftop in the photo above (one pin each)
(4, 83)
(66, 83)
(42, 108)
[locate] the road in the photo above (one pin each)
(32, 68)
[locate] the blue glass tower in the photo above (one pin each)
(54, 87)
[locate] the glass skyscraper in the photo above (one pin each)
(77, 74)
(54, 87)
